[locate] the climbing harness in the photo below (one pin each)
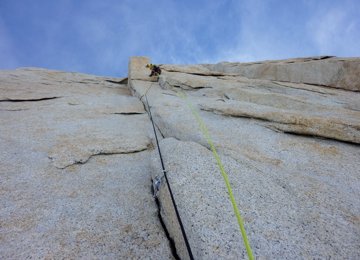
(206, 134)
(167, 182)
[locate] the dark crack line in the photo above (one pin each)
(28, 100)
(168, 185)
(325, 57)
(103, 153)
(121, 82)
(128, 113)
(304, 89)
(306, 135)
(11, 110)
(163, 225)
(157, 201)
(210, 74)
(158, 128)
(189, 87)
(226, 96)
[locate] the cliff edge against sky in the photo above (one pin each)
(78, 158)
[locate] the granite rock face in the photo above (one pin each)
(327, 71)
(78, 158)
(74, 169)
(291, 152)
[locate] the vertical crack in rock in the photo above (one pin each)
(171, 241)
(299, 171)
(163, 225)
(158, 129)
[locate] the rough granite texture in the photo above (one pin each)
(291, 151)
(326, 71)
(78, 155)
(74, 170)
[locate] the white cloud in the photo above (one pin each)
(252, 41)
(302, 28)
(336, 31)
(99, 36)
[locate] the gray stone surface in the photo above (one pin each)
(204, 70)
(74, 169)
(328, 71)
(206, 211)
(78, 157)
(292, 108)
(290, 149)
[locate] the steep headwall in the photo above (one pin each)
(290, 149)
(79, 158)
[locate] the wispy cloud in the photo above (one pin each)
(336, 29)
(277, 30)
(99, 36)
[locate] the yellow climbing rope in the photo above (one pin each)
(206, 134)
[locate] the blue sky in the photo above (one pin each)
(99, 36)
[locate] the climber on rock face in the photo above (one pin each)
(155, 70)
